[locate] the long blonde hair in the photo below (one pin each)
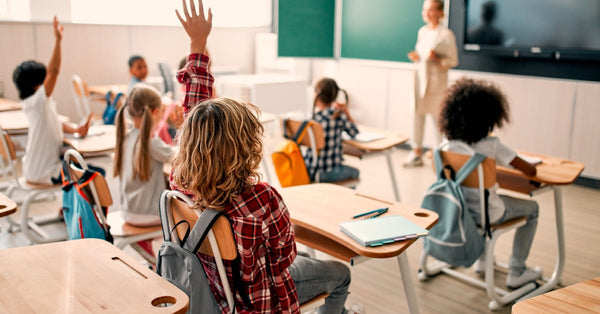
(220, 149)
(140, 102)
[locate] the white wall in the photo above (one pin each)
(555, 117)
(99, 53)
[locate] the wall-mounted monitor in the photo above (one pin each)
(552, 29)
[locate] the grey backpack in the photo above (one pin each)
(455, 238)
(179, 264)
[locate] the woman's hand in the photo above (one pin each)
(413, 56)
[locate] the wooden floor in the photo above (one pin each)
(377, 283)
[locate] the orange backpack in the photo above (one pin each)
(288, 161)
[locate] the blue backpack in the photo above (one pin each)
(81, 219)
(455, 238)
(110, 112)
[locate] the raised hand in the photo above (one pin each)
(58, 29)
(196, 25)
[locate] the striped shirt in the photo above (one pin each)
(261, 227)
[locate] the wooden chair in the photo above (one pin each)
(80, 96)
(316, 141)
(30, 226)
(124, 234)
(180, 207)
(484, 178)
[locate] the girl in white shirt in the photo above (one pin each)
(470, 112)
(139, 158)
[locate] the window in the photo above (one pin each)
(227, 13)
(15, 10)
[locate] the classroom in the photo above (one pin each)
(273, 54)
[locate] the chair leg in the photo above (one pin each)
(428, 270)
(28, 225)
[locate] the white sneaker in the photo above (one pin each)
(412, 160)
(528, 275)
(356, 308)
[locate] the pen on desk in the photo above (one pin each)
(377, 212)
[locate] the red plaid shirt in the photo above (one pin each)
(261, 227)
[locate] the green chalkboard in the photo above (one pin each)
(306, 28)
(380, 29)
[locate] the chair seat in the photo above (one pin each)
(513, 223)
(30, 186)
(313, 303)
(348, 182)
(120, 228)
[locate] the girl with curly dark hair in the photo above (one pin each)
(470, 112)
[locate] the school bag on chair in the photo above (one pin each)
(287, 158)
(455, 239)
(80, 216)
(112, 106)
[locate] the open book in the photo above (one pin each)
(530, 159)
(382, 230)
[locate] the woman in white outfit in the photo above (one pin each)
(435, 53)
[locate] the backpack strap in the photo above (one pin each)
(468, 167)
(301, 130)
(437, 159)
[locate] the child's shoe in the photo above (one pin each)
(528, 275)
(356, 308)
(413, 160)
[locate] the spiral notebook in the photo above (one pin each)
(382, 230)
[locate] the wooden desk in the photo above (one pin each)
(93, 145)
(7, 206)
(583, 297)
(9, 105)
(317, 209)
(101, 90)
(14, 122)
(552, 173)
(82, 276)
(384, 145)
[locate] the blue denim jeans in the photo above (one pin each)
(313, 277)
(339, 173)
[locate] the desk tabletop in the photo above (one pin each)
(102, 142)
(317, 209)
(101, 90)
(7, 206)
(82, 276)
(552, 171)
(9, 105)
(390, 140)
(583, 297)
(14, 121)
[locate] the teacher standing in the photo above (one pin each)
(435, 53)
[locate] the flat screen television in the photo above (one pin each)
(555, 29)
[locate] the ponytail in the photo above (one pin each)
(120, 126)
(141, 168)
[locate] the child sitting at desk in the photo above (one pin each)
(138, 70)
(220, 149)
(139, 159)
(470, 112)
(333, 115)
(35, 82)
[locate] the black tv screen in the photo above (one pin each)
(558, 29)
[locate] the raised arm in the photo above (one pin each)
(195, 76)
(54, 64)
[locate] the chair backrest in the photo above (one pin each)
(8, 155)
(180, 207)
(167, 75)
(80, 96)
(456, 161)
(98, 187)
(315, 133)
